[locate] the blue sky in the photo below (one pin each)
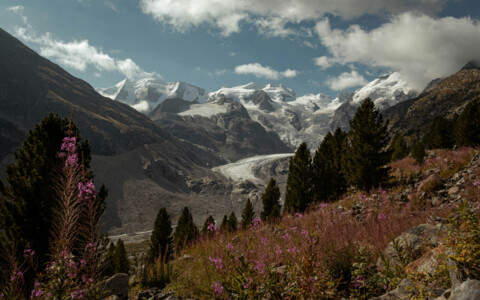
(311, 46)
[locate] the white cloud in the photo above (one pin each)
(271, 15)
(419, 47)
(18, 9)
(260, 71)
(80, 54)
(346, 80)
(110, 4)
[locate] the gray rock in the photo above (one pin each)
(453, 190)
(405, 290)
(456, 277)
(468, 290)
(117, 285)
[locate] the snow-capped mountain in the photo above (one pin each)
(146, 94)
(276, 92)
(385, 91)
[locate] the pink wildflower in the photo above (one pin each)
(212, 228)
(217, 289)
(476, 183)
(217, 262)
(323, 205)
(86, 191)
(259, 267)
(229, 247)
(359, 281)
(256, 222)
(362, 197)
(286, 236)
(298, 215)
(265, 241)
(382, 217)
(293, 250)
(278, 250)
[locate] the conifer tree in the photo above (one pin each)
(120, 259)
(224, 225)
(398, 147)
(110, 260)
(207, 223)
(186, 231)
(271, 202)
(161, 245)
(232, 223)
(440, 134)
(27, 197)
(467, 126)
(418, 153)
(364, 164)
(328, 179)
(299, 191)
(248, 214)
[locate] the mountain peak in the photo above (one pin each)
(472, 65)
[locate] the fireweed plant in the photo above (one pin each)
(75, 267)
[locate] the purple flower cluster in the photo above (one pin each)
(17, 276)
(476, 183)
(358, 282)
(28, 252)
(382, 217)
(217, 289)
(87, 190)
(298, 215)
(218, 262)
(212, 228)
(259, 267)
(68, 150)
(256, 223)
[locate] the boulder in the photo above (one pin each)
(468, 290)
(405, 290)
(117, 285)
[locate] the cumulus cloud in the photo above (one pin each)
(346, 80)
(419, 47)
(260, 71)
(80, 54)
(271, 15)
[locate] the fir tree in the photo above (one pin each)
(207, 223)
(27, 198)
(364, 164)
(398, 147)
(161, 245)
(110, 260)
(271, 202)
(120, 260)
(248, 214)
(328, 179)
(418, 153)
(224, 224)
(440, 134)
(186, 231)
(467, 126)
(232, 223)
(299, 192)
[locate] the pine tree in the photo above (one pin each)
(299, 191)
(364, 164)
(328, 179)
(110, 260)
(232, 223)
(248, 214)
(440, 134)
(186, 231)
(27, 198)
(271, 202)
(207, 223)
(398, 147)
(121, 264)
(224, 225)
(418, 153)
(467, 126)
(161, 245)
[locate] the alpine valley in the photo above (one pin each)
(171, 144)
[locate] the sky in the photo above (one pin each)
(310, 46)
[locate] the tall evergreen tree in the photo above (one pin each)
(161, 240)
(232, 222)
(186, 231)
(271, 202)
(299, 192)
(207, 223)
(27, 197)
(467, 126)
(248, 214)
(120, 260)
(328, 179)
(418, 152)
(440, 134)
(364, 164)
(224, 224)
(110, 260)
(398, 147)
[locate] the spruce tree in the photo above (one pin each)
(440, 134)
(328, 180)
(467, 125)
(299, 191)
(161, 245)
(120, 259)
(232, 223)
(398, 147)
(418, 153)
(271, 202)
(207, 223)
(110, 260)
(27, 197)
(364, 164)
(224, 224)
(186, 231)
(248, 214)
